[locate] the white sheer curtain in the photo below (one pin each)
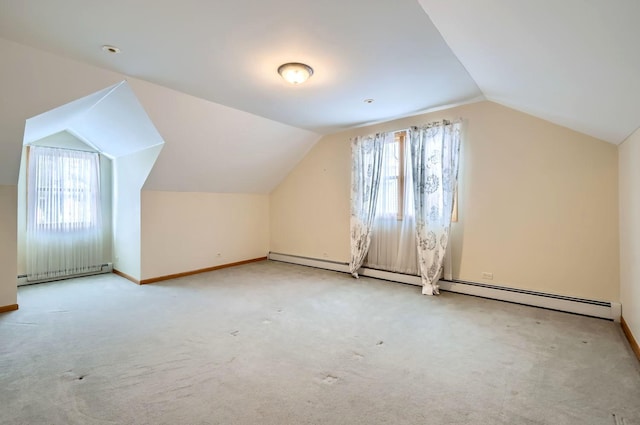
(366, 160)
(393, 236)
(64, 223)
(435, 152)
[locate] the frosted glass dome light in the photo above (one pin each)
(295, 73)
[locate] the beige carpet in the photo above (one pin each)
(272, 343)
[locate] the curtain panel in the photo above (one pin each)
(367, 157)
(435, 150)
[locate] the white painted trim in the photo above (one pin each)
(311, 262)
(594, 308)
(605, 310)
(22, 279)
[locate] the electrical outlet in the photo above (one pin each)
(487, 275)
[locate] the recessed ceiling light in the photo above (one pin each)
(368, 101)
(295, 73)
(110, 49)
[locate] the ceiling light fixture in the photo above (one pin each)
(295, 73)
(110, 49)
(368, 101)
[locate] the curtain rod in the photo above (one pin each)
(435, 123)
(428, 125)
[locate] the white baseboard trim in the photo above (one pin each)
(22, 279)
(586, 307)
(601, 309)
(311, 262)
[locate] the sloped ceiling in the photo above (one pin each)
(61, 118)
(572, 62)
(205, 72)
(110, 120)
(213, 148)
(209, 147)
(117, 125)
(228, 52)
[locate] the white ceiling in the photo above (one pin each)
(572, 62)
(111, 120)
(228, 52)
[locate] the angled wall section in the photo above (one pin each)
(130, 172)
(8, 240)
(629, 158)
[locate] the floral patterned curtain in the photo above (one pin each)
(435, 152)
(366, 153)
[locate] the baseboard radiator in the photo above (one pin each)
(104, 268)
(601, 309)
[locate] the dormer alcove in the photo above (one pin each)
(112, 123)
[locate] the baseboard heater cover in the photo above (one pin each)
(601, 309)
(104, 268)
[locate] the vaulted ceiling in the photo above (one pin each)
(228, 52)
(574, 62)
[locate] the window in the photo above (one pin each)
(395, 198)
(64, 224)
(390, 230)
(393, 237)
(396, 195)
(393, 234)
(64, 186)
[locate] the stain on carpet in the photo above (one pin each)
(330, 379)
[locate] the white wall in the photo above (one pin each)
(8, 256)
(22, 214)
(537, 203)
(629, 161)
(106, 199)
(129, 175)
(185, 231)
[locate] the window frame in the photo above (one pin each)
(400, 138)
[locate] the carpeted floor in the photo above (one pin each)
(272, 343)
